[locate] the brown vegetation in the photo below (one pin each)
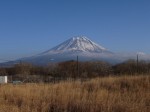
(32, 73)
(109, 94)
(72, 69)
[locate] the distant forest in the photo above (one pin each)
(72, 69)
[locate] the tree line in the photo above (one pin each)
(74, 69)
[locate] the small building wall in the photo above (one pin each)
(3, 79)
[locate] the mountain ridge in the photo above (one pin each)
(78, 44)
(82, 47)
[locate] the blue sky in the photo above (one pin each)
(29, 27)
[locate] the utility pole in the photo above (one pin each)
(137, 62)
(20, 62)
(77, 66)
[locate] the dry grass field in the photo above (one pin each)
(110, 94)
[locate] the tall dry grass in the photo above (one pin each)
(111, 94)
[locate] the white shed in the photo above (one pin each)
(3, 79)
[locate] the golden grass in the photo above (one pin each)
(111, 94)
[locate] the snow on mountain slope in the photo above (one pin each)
(69, 50)
(83, 47)
(77, 44)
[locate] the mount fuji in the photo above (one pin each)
(82, 47)
(77, 45)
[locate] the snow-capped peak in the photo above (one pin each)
(78, 44)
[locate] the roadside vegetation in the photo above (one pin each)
(72, 69)
(77, 87)
(107, 94)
